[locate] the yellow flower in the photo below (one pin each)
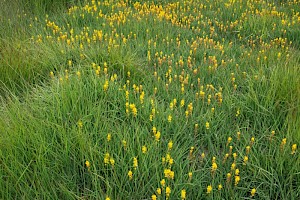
(130, 174)
(124, 143)
(252, 141)
(105, 86)
(238, 135)
(283, 142)
(233, 165)
(209, 189)
(182, 103)
(153, 197)
(168, 191)
(154, 129)
(203, 155)
(106, 158)
(190, 175)
(157, 136)
(294, 148)
(107, 198)
(228, 177)
(87, 164)
(170, 145)
(247, 149)
(158, 190)
(234, 156)
(207, 125)
(80, 124)
(51, 74)
(135, 162)
(229, 140)
(163, 182)
(112, 161)
(108, 137)
(253, 191)
(214, 167)
(245, 160)
(169, 118)
(183, 194)
(169, 173)
(220, 187)
(236, 180)
(144, 149)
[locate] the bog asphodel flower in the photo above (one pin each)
(294, 148)
(158, 190)
(154, 197)
(163, 183)
(87, 164)
(220, 187)
(170, 145)
(157, 136)
(214, 167)
(168, 191)
(135, 162)
(105, 86)
(207, 125)
(183, 194)
(144, 149)
(108, 138)
(130, 174)
(190, 174)
(283, 142)
(170, 118)
(229, 140)
(253, 191)
(208, 189)
(245, 160)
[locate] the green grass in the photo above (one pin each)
(213, 78)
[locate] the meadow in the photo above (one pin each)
(150, 99)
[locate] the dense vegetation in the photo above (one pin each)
(149, 99)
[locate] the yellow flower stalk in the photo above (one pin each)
(283, 142)
(168, 191)
(163, 183)
(183, 194)
(170, 145)
(135, 162)
(238, 135)
(228, 177)
(209, 189)
(294, 148)
(87, 164)
(130, 174)
(245, 160)
(207, 125)
(229, 140)
(108, 138)
(154, 197)
(170, 118)
(253, 191)
(214, 167)
(220, 187)
(144, 149)
(236, 180)
(157, 136)
(158, 190)
(124, 143)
